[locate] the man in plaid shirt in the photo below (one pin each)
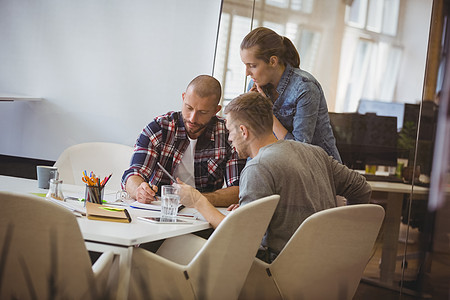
(191, 145)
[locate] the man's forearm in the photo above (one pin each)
(209, 212)
(223, 197)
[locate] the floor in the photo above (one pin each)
(370, 292)
(367, 290)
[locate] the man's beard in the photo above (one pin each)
(199, 127)
(242, 152)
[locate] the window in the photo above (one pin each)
(288, 18)
(379, 16)
(229, 69)
(371, 56)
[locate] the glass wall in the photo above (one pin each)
(379, 63)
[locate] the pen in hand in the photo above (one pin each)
(155, 189)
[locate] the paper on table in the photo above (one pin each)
(72, 208)
(155, 205)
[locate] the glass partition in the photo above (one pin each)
(377, 66)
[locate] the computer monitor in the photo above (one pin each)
(365, 139)
(382, 108)
(427, 122)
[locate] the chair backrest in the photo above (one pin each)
(326, 256)
(219, 269)
(101, 158)
(43, 255)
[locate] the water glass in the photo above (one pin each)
(170, 200)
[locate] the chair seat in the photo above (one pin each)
(43, 253)
(324, 259)
(189, 267)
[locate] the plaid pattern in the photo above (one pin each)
(165, 140)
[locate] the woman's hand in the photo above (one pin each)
(257, 88)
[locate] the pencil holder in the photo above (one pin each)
(94, 194)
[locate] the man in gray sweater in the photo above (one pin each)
(305, 176)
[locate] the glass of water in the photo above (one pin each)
(170, 200)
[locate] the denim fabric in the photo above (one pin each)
(302, 109)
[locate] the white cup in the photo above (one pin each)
(170, 200)
(44, 174)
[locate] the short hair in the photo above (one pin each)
(269, 43)
(252, 110)
(206, 86)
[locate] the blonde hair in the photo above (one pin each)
(252, 110)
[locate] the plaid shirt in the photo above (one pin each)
(165, 140)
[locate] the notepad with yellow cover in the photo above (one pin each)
(105, 213)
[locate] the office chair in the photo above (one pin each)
(190, 267)
(101, 158)
(324, 259)
(43, 255)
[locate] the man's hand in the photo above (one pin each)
(188, 195)
(140, 190)
(233, 207)
(145, 193)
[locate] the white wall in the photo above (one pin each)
(105, 68)
(415, 27)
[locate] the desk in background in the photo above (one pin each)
(392, 193)
(101, 236)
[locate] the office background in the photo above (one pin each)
(103, 68)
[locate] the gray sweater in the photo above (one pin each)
(307, 180)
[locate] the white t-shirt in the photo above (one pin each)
(185, 170)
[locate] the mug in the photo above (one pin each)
(44, 174)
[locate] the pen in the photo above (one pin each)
(187, 217)
(137, 207)
(154, 197)
(167, 173)
(106, 180)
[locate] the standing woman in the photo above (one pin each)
(299, 105)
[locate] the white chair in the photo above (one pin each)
(101, 158)
(190, 267)
(43, 254)
(324, 259)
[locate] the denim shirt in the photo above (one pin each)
(302, 109)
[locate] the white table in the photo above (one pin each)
(120, 238)
(393, 194)
(101, 236)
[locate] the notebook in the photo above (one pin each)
(107, 213)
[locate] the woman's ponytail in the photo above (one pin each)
(291, 55)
